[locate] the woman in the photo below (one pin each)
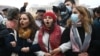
(49, 36)
(79, 32)
(26, 32)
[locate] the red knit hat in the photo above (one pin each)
(51, 14)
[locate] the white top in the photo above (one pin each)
(64, 47)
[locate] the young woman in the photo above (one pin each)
(22, 43)
(26, 32)
(49, 36)
(79, 32)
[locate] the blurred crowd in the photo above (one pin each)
(67, 30)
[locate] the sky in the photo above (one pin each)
(90, 3)
(19, 3)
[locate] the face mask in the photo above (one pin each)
(69, 8)
(74, 18)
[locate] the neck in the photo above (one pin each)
(79, 24)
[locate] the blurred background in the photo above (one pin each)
(33, 5)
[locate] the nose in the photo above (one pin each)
(21, 20)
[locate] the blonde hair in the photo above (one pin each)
(86, 20)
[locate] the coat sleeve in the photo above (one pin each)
(65, 46)
(95, 41)
(65, 35)
(9, 39)
(35, 47)
(38, 53)
(65, 40)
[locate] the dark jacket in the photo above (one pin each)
(66, 38)
(3, 34)
(24, 43)
(96, 42)
(8, 39)
(21, 43)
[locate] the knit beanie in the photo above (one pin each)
(51, 14)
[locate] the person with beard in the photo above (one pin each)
(63, 11)
(70, 4)
(49, 36)
(26, 31)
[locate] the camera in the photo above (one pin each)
(65, 12)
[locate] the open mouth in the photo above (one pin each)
(47, 22)
(22, 24)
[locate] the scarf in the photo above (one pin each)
(54, 38)
(25, 34)
(77, 45)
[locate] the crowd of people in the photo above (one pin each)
(67, 30)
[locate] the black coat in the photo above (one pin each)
(66, 38)
(96, 42)
(8, 39)
(3, 34)
(20, 43)
(24, 43)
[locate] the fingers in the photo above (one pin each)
(25, 49)
(13, 43)
(55, 51)
(83, 54)
(47, 54)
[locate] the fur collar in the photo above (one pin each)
(25, 34)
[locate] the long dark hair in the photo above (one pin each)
(32, 24)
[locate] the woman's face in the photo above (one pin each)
(48, 21)
(24, 21)
(75, 11)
